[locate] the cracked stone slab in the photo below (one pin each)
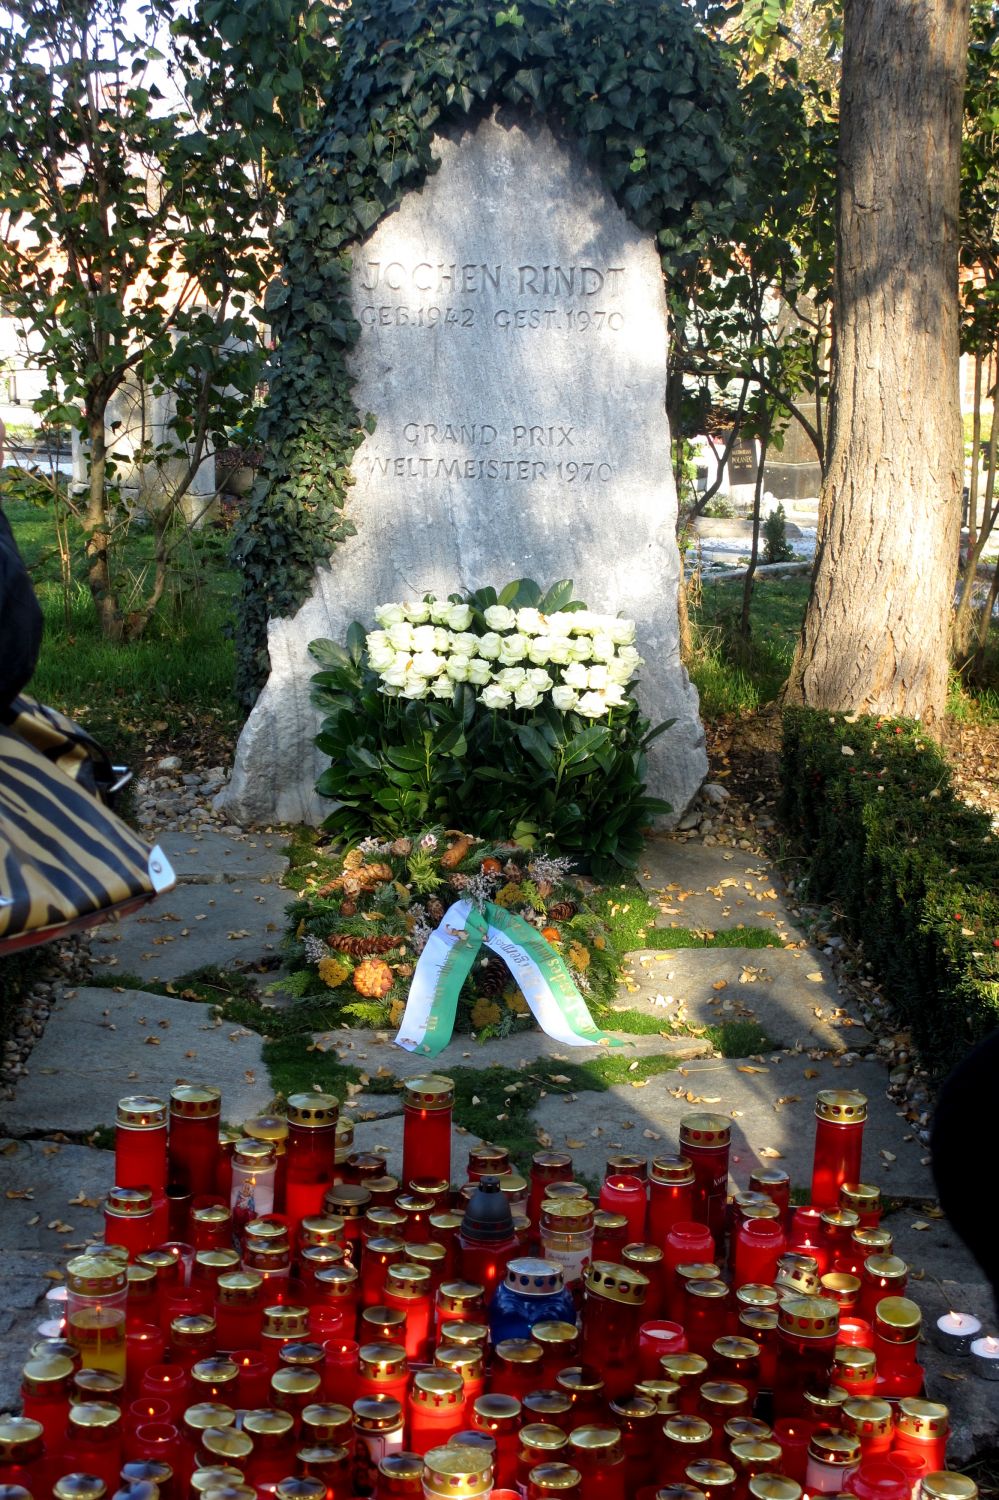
(791, 992)
(619, 1117)
(58, 1175)
(223, 924)
(710, 887)
(370, 1048)
(209, 858)
(100, 1045)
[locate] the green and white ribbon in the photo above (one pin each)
(444, 964)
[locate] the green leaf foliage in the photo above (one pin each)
(609, 76)
(914, 870)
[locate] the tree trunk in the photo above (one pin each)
(876, 630)
(98, 538)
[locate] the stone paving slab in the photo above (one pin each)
(525, 1047)
(791, 992)
(208, 858)
(713, 888)
(618, 1118)
(95, 1050)
(191, 926)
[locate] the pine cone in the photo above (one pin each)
(360, 947)
(435, 910)
(562, 911)
(491, 980)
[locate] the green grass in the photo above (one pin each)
(181, 669)
(631, 917)
(731, 675)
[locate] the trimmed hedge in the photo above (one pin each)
(914, 870)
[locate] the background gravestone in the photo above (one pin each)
(513, 351)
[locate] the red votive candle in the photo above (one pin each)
(871, 1421)
(839, 1138)
(686, 1244)
(144, 1346)
(760, 1325)
(517, 1367)
(897, 1323)
(864, 1198)
(671, 1195)
(499, 1417)
(436, 1408)
(239, 1312)
(705, 1140)
(140, 1143)
(806, 1337)
(686, 1438)
(310, 1161)
(253, 1383)
(380, 1253)
(468, 1362)
(145, 1409)
(273, 1457)
(273, 1130)
(169, 1383)
(382, 1371)
(23, 1461)
(610, 1235)
(341, 1372)
(758, 1245)
(855, 1370)
(881, 1276)
(546, 1167)
(613, 1300)
(597, 1453)
(921, 1431)
(624, 1194)
(775, 1184)
(705, 1313)
(93, 1441)
(45, 1396)
(428, 1103)
(806, 1237)
(655, 1339)
(211, 1226)
(650, 1261)
(793, 1433)
(194, 1137)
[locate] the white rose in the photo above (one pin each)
(493, 696)
(466, 643)
(621, 632)
(442, 638)
(527, 696)
(414, 687)
(458, 617)
(397, 674)
(576, 676)
(423, 638)
(489, 645)
(591, 705)
(603, 647)
(401, 636)
(539, 679)
(511, 678)
(614, 695)
(390, 614)
(530, 621)
(539, 651)
(416, 612)
(479, 671)
(380, 658)
(457, 668)
(438, 611)
(513, 648)
(390, 692)
(427, 664)
(498, 617)
(564, 699)
(558, 649)
(560, 623)
(618, 671)
(443, 687)
(583, 621)
(376, 638)
(596, 677)
(630, 658)
(581, 648)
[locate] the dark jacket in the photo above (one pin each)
(20, 618)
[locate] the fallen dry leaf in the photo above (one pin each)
(920, 1224)
(746, 1068)
(815, 977)
(26, 1193)
(574, 1145)
(541, 1136)
(770, 1153)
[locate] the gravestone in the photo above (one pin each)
(513, 351)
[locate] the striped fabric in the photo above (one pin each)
(66, 860)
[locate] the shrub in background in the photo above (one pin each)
(914, 870)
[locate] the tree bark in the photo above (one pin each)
(98, 536)
(875, 633)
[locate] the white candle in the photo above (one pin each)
(985, 1358)
(955, 1332)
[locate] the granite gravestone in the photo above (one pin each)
(513, 350)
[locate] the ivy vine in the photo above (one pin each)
(648, 98)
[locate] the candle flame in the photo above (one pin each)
(992, 1344)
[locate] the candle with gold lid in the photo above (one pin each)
(382, 1370)
(822, 1407)
(93, 1440)
(806, 1334)
(598, 1453)
(337, 1288)
(720, 1400)
(546, 1167)
(431, 1255)
(775, 1183)
(945, 1484)
(95, 1311)
(499, 1417)
(881, 1276)
(487, 1160)
(921, 1429)
(148, 1471)
(705, 1312)
(238, 1310)
(214, 1476)
(400, 1475)
(205, 1414)
(459, 1299)
(560, 1481)
(350, 1202)
(458, 1473)
(192, 1337)
(382, 1221)
(712, 1476)
(733, 1357)
(463, 1332)
(467, 1362)
(326, 1423)
(129, 1220)
(539, 1443)
(444, 1230)
(80, 1487)
(610, 1235)
(382, 1325)
(552, 1408)
(760, 1325)
(428, 1102)
(837, 1227)
(749, 1430)
(650, 1261)
(680, 1490)
(686, 1439)
(436, 1408)
(417, 1211)
(897, 1325)
(293, 1390)
(871, 1422)
(407, 1286)
(300, 1487)
(272, 1434)
(45, 1394)
(215, 1379)
(329, 1462)
(688, 1370)
(224, 1446)
(22, 1450)
(320, 1229)
(773, 1487)
(671, 1195)
(705, 1139)
(842, 1288)
(864, 1198)
(855, 1370)
(832, 1458)
(377, 1432)
(209, 1265)
(839, 1137)
(193, 1142)
(310, 1155)
(640, 1423)
(797, 1274)
(97, 1385)
(140, 1145)
(381, 1252)
(566, 1235)
(613, 1302)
